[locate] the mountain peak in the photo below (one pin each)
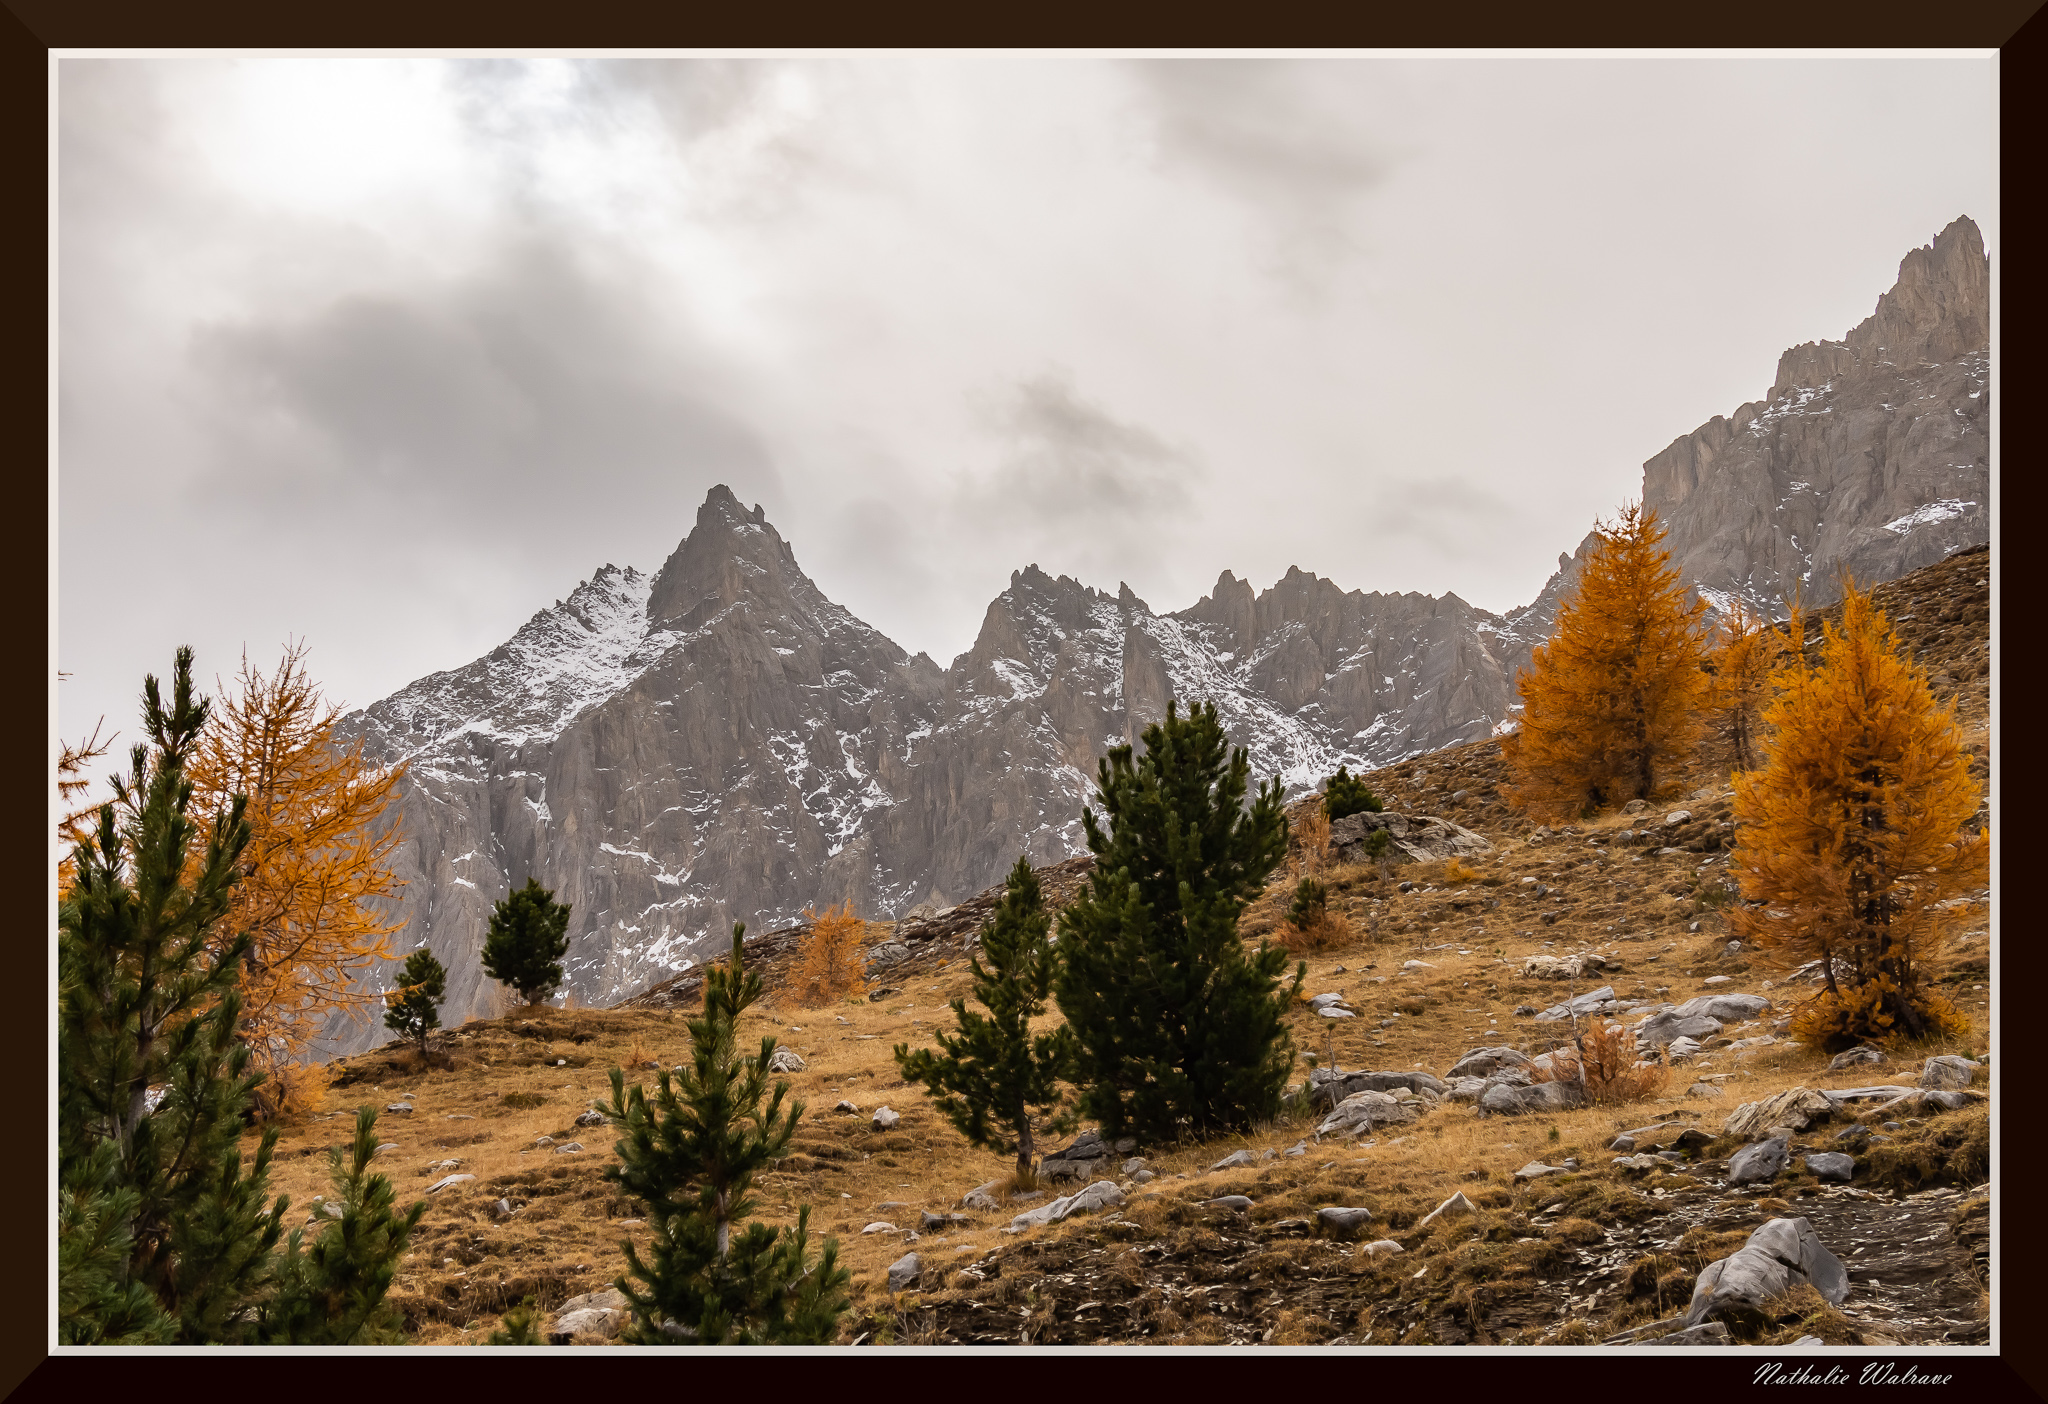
(727, 553)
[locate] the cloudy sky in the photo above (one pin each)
(389, 353)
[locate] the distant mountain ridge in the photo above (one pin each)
(720, 741)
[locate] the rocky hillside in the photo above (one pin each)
(1441, 1212)
(722, 742)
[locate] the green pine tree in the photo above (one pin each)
(1178, 1031)
(993, 1079)
(526, 942)
(152, 1085)
(415, 1006)
(1343, 795)
(690, 1153)
(163, 1234)
(333, 1293)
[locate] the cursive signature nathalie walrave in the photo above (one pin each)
(1875, 1373)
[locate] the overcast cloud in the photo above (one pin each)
(390, 353)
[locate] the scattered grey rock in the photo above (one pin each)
(1831, 1165)
(903, 1273)
(1797, 1107)
(885, 954)
(1536, 1170)
(1761, 1161)
(1343, 1220)
(1945, 1099)
(785, 1060)
(447, 1181)
(569, 1148)
(1456, 1207)
(1236, 1202)
(1144, 1177)
(1947, 1071)
(399, 1107)
(1299, 1148)
(1705, 1089)
(929, 1222)
(504, 1208)
(886, 1120)
(1126, 1145)
(881, 1226)
(1666, 1025)
(981, 1197)
(1581, 1005)
(593, 1117)
(1134, 1165)
(846, 1108)
(1725, 1008)
(1504, 1098)
(1380, 1248)
(1781, 1254)
(1856, 1056)
(1359, 1113)
(592, 1314)
(1235, 1159)
(1102, 1194)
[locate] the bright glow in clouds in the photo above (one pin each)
(390, 353)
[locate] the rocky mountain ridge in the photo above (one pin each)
(720, 741)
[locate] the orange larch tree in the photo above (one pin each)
(1852, 834)
(1748, 653)
(828, 957)
(317, 862)
(1611, 702)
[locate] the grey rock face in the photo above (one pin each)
(720, 741)
(1872, 452)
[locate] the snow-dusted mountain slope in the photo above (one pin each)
(721, 742)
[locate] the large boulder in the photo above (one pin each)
(1665, 1025)
(592, 1314)
(1727, 1008)
(1361, 1111)
(1797, 1107)
(1327, 1088)
(1947, 1071)
(1417, 838)
(1590, 1002)
(1484, 1062)
(1780, 1255)
(1504, 1098)
(1103, 1194)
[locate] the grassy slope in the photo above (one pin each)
(1168, 1269)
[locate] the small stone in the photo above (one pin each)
(1134, 1165)
(1831, 1165)
(387, 1145)
(1126, 1145)
(1383, 1247)
(1705, 1089)
(881, 1226)
(540, 1141)
(1536, 1170)
(1237, 1202)
(1231, 1161)
(1143, 1177)
(1416, 965)
(1343, 1220)
(569, 1148)
(845, 1107)
(504, 1208)
(398, 1107)
(446, 1181)
(1759, 1162)
(1948, 1071)
(593, 1117)
(1677, 816)
(1456, 1207)
(904, 1271)
(886, 1120)
(785, 1060)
